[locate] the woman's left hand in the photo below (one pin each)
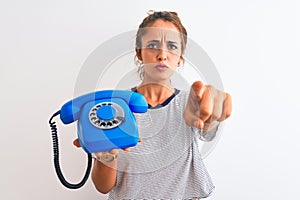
(77, 144)
(206, 105)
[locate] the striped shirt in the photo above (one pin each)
(167, 164)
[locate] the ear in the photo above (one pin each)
(138, 54)
(180, 61)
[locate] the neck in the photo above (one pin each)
(155, 93)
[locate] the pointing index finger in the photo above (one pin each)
(206, 104)
(198, 88)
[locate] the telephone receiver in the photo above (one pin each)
(104, 122)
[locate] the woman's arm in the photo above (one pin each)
(104, 175)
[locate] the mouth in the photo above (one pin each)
(161, 67)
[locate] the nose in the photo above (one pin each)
(162, 55)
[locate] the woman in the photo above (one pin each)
(167, 164)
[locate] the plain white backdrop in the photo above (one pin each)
(254, 45)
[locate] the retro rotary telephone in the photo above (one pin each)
(104, 122)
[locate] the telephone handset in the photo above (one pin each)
(104, 122)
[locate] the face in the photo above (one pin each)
(161, 51)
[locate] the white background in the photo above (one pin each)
(253, 44)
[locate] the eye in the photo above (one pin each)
(172, 47)
(153, 46)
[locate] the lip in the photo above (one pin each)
(161, 67)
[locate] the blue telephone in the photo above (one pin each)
(105, 122)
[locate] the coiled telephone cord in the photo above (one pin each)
(56, 159)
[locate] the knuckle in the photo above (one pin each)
(211, 89)
(228, 97)
(214, 117)
(222, 118)
(227, 115)
(205, 112)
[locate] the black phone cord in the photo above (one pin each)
(56, 159)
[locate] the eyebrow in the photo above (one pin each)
(172, 42)
(157, 41)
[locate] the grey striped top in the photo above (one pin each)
(167, 164)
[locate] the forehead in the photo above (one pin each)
(163, 24)
(161, 34)
(162, 29)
